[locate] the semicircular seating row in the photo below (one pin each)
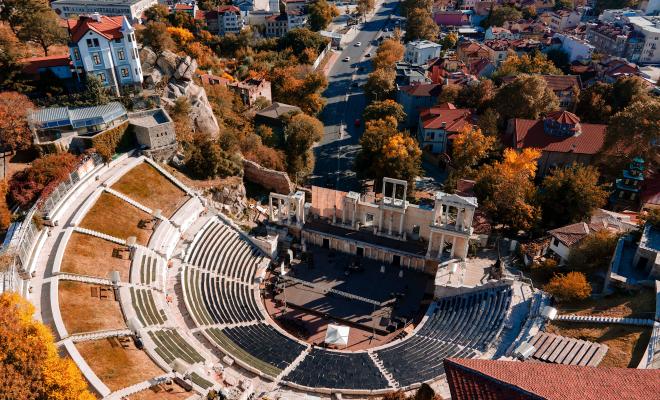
(216, 281)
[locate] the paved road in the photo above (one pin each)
(345, 103)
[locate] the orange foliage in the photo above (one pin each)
(5, 214)
(14, 130)
(30, 366)
(180, 35)
(569, 287)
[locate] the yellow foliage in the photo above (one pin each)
(520, 163)
(569, 287)
(470, 146)
(180, 35)
(30, 361)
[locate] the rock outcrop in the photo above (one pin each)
(233, 199)
(177, 72)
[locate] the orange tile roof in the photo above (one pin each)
(108, 27)
(495, 380)
(454, 119)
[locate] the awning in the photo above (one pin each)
(337, 335)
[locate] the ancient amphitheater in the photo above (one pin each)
(142, 282)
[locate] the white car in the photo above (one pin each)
(347, 59)
(358, 44)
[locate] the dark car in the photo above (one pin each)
(357, 123)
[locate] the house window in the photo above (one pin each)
(369, 217)
(102, 76)
(96, 58)
(76, 53)
(118, 40)
(556, 242)
(121, 55)
(134, 54)
(92, 43)
(124, 72)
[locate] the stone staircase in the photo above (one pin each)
(84, 278)
(129, 200)
(388, 376)
(100, 235)
(604, 320)
(87, 336)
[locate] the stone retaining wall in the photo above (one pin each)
(276, 181)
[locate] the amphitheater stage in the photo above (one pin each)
(390, 298)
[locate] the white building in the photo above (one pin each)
(418, 52)
(106, 47)
(576, 48)
(131, 9)
(651, 7)
(649, 27)
(224, 19)
(278, 25)
(562, 20)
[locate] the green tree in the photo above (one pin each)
(488, 122)
(155, 36)
(387, 152)
(157, 13)
(563, 5)
(449, 41)
(635, 130)
(381, 84)
(536, 63)
(626, 91)
(570, 195)
(95, 93)
(594, 252)
(569, 287)
(206, 159)
(527, 96)
(498, 16)
(593, 103)
(321, 14)
(382, 109)
(420, 25)
(300, 39)
(301, 132)
(559, 57)
(44, 29)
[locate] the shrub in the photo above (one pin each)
(569, 287)
(107, 143)
(40, 178)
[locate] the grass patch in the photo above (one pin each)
(117, 362)
(147, 186)
(83, 313)
(627, 344)
(162, 392)
(113, 216)
(89, 255)
(638, 304)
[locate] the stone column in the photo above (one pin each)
(428, 251)
(380, 220)
(459, 220)
(453, 247)
(442, 245)
(401, 225)
(389, 231)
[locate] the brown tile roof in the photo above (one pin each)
(423, 89)
(495, 380)
(108, 27)
(454, 119)
(530, 133)
(564, 117)
(571, 234)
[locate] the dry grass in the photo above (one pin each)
(113, 216)
(83, 313)
(638, 305)
(89, 255)
(627, 344)
(146, 185)
(162, 392)
(118, 363)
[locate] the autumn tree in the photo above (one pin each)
(420, 25)
(5, 213)
(506, 190)
(301, 39)
(380, 84)
(17, 12)
(206, 159)
(536, 63)
(527, 96)
(45, 173)
(14, 130)
(469, 148)
(156, 36)
(569, 287)
(387, 152)
(570, 195)
(499, 15)
(299, 86)
(181, 36)
(321, 13)
(594, 252)
(594, 103)
(449, 93)
(477, 96)
(488, 122)
(301, 132)
(388, 54)
(449, 41)
(11, 51)
(635, 130)
(383, 109)
(156, 13)
(627, 90)
(30, 365)
(365, 6)
(44, 29)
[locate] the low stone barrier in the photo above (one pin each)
(276, 181)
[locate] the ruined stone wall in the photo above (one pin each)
(276, 181)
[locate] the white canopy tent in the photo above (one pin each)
(337, 335)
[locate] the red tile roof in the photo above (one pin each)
(108, 27)
(31, 66)
(554, 82)
(454, 119)
(531, 133)
(511, 380)
(564, 117)
(423, 89)
(571, 234)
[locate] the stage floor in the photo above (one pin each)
(330, 273)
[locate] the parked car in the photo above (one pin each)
(368, 55)
(358, 44)
(347, 59)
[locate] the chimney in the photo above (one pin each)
(96, 17)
